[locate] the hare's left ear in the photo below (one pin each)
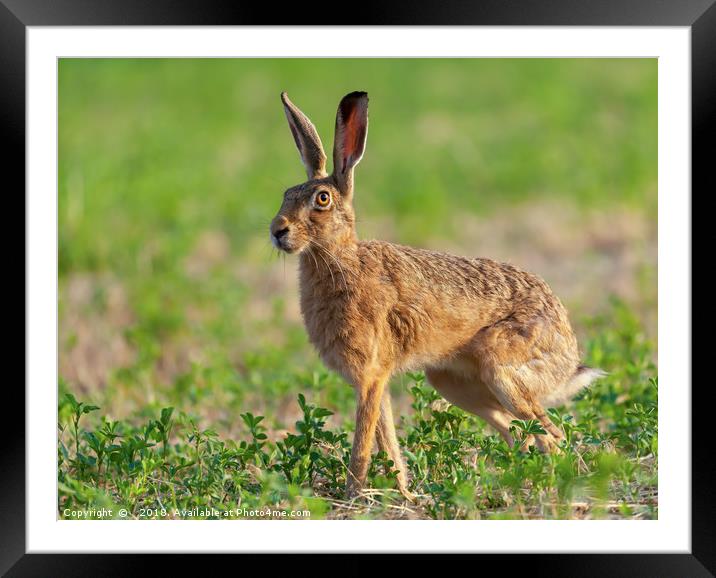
(307, 140)
(351, 132)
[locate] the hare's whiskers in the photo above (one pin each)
(336, 261)
(340, 268)
(275, 253)
(312, 256)
(327, 267)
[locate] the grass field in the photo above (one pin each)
(186, 378)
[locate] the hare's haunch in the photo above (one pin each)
(491, 338)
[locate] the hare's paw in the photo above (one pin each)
(407, 494)
(353, 490)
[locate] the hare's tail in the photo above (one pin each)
(581, 378)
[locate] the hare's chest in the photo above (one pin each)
(335, 329)
(325, 319)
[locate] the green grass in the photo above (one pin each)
(162, 463)
(169, 171)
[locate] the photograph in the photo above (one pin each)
(357, 289)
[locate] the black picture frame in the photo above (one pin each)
(699, 15)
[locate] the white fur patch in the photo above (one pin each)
(578, 382)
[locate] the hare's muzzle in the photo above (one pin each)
(279, 232)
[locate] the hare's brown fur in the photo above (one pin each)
(491, 338)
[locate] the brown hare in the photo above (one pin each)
(492, 339)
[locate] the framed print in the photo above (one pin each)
(420, 284)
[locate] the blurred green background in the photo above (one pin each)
(170, 171)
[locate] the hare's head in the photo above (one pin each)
(320, 211)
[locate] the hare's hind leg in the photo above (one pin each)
(388, 442)
(518, 401)
(473, 396)
(524, 406)
(515, 365)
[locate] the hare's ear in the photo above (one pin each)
(307, 140)
(351, 132)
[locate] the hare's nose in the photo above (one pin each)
(280, 223)
(279, 228)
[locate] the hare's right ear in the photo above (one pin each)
(307, 140)
(351, 132)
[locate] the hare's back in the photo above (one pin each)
(478, 292)
(462, 277)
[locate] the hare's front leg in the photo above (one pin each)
(388, 442)
(369, 395)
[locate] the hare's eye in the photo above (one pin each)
(323, 199)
